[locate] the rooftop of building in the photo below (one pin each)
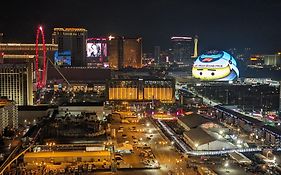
(34, 108)
(66, 154)
(70, 29)
(98, 103)
(22, 45)
(4, 102)
(193, 120)
(199, 136)
(79, 74)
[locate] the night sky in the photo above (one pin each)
(220, 24)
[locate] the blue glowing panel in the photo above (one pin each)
(63, 58)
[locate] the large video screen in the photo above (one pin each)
(63, 58)
(97, 49)
(215, 66)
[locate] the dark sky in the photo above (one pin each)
(220, 24)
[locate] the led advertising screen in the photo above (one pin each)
(215, 66)
(63, 58)
(97, 49)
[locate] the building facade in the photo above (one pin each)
(8, 114)
(16, 78)
(132, 52)
(115, 52)
(97, 52)
(124, 52)
(272, 60)
(182, 49)
(157, 54)
(141, 90)
(27, 49)
(71, 40)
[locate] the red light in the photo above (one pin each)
(207, 59)
(272, 117)
(40, 76)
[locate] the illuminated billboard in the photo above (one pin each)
(97, 50)
(63, 58)
(215, 66)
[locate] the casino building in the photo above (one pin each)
(73, 40)
(16, 74)
(26, 49)
(124, 52)
(141, 89)
(17, 70)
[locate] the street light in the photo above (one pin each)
(196, 145)
(262, 140)
(226, 164)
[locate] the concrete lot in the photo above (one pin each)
(170, 160)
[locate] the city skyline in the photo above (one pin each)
(140, 87)
(219, 24)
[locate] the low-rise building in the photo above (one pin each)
(89, 108)
(67, 157)
(8, 114)
(191, 121)
(202, 134)
(200, 139)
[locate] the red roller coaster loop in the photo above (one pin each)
(40, 71)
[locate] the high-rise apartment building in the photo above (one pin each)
(182, 49)
(157, 54)
(16, 78)
(71, 40)
(8, 114)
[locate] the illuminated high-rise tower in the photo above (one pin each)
(124, 52)
(157, 54)
(115, 52)
(16, 73)
(132, 52)
(182, 49)
(73, 40)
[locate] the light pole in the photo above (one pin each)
(226, 164)
(196, 146)
(262, 141)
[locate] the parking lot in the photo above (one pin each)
(150, 148)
